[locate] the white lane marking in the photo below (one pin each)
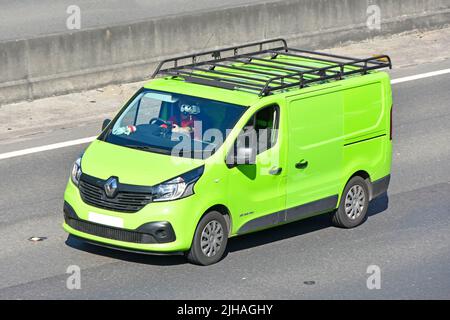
(54, 146)
(90, 139)
(420, 76)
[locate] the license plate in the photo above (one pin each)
(105, 220)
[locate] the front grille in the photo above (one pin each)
(123, 202)
(109, 232)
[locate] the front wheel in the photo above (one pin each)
(210, 240)
(354, 203)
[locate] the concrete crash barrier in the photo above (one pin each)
(89, 58)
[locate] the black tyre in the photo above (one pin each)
(353, 205)
(210, 239)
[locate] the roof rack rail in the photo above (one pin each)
(256, 67)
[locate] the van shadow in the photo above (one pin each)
(158, 260)
(378, 205)
(293, 229)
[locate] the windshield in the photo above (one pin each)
(175, 124)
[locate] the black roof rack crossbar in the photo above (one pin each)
(220, 82)
(320, 60)
(290, 71)
(277, 66)
(261, 71)
(310, 70)
(272, 60)
(233, 67)
(219, 79)
(231, 75)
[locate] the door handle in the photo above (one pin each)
(302, 164)
(275, 171)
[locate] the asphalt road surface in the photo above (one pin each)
(31, 18)
(407, 234)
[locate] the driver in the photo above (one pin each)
(187, 118)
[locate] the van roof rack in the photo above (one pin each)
(265, 67)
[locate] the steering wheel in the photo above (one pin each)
(163, 130)
(159, 121)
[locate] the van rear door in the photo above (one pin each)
(315, 153)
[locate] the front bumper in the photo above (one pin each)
(151, 232)
(163, 227)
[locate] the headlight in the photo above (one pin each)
(179, 187)
(76, 172)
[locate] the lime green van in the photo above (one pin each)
(232, 141)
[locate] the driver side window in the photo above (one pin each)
(265, 125)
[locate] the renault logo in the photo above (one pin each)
(111, 187)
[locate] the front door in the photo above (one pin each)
(257, 192)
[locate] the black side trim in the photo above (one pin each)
(261, 222)
(380, 186)
(350, 143)
(296, 213)
(315, 207)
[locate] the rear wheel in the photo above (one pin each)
(354, 203)
(210, 239)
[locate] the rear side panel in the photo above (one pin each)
(339, 131)
(367, 145)
(364, 111)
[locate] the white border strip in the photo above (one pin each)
(90, 139)
(45, 148)
(421, 76)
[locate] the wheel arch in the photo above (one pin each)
(224, 211)
(366, 176)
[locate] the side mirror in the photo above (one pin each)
(106, 122)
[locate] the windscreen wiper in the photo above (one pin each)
(148, 148)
